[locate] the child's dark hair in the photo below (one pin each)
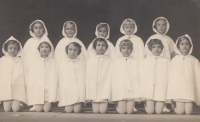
(154, 41)
(181, 39)
(100, 40)
(11, 42)
(36, 22)
(69, 23)
(159, 20)
(126, 42)
(101, 26)
(43, 43)
(76, 45)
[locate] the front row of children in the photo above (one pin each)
(72, 80)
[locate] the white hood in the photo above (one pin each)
(45, 33)
(122, 30)
(96, 32)
(63, 30)
(154, 22)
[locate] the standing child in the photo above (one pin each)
(42, 79)
(103, 31)
(125, 79)
(12, 85)
(184, 81)
(154, 77)
(69, 32)
(98, 77)
(72, 78)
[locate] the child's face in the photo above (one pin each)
(184, 47)
(70, 30)
(38, 30)
(129, 28)
(44, 50)
(100, 47)
(12, 50)
(126, 51)
(72, 51)
(161, 26)
(102, 32)
(156, 49)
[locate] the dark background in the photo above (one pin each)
(17, 15)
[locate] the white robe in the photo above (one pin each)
(184, 82)
(98, 79)
(125, 79)
(12, 84)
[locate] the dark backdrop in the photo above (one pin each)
(17, 15)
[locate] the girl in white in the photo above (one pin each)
(72, 77)
(129, 28)
(103, 31)
(39, 32)
(12, 85)
(69, 32)
(154, 77)
(125, 79)
(184, 81)
(42, 79)
(98, 77)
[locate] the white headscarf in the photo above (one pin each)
(154, 24)
(12, 38)
(45, 29)
(63, 30)
(96, 32)
(122, 29)
(176, 48)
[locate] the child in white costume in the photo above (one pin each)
(39, 32)
(98, 77)
(161, 27)
(125, 79)
(103, 31)
(72, 77)
(129, 28)
(154, 77)
(12, 85)
(42, 79)
(69, 32)
(184, 81)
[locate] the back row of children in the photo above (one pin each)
(125, 74)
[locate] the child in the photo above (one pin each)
(103, 31)
(42, 78)
(12, 85)
(39, 32)
(184, 81)
(129, 28)
(125, 79)
(69, 32)
(72, 78)
(98, 77)
(154, 77)
(161, 27)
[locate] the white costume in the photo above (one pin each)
(42, 79)
(91, 52)
(12, 84)
(60, 48)
(72, 79)
(98, 78)
(125, 79)
(138, 44)
(31, 46)
(166, 40)
(184, 81)
(154, 76)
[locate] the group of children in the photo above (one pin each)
(158, 73)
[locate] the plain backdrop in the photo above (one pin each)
(17, 15)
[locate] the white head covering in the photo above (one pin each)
(45, 29)
(122, 29)
(96, 32)
(12, 38)
(63, 30)
(154, 24)
(176, 48)
(46, 39)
